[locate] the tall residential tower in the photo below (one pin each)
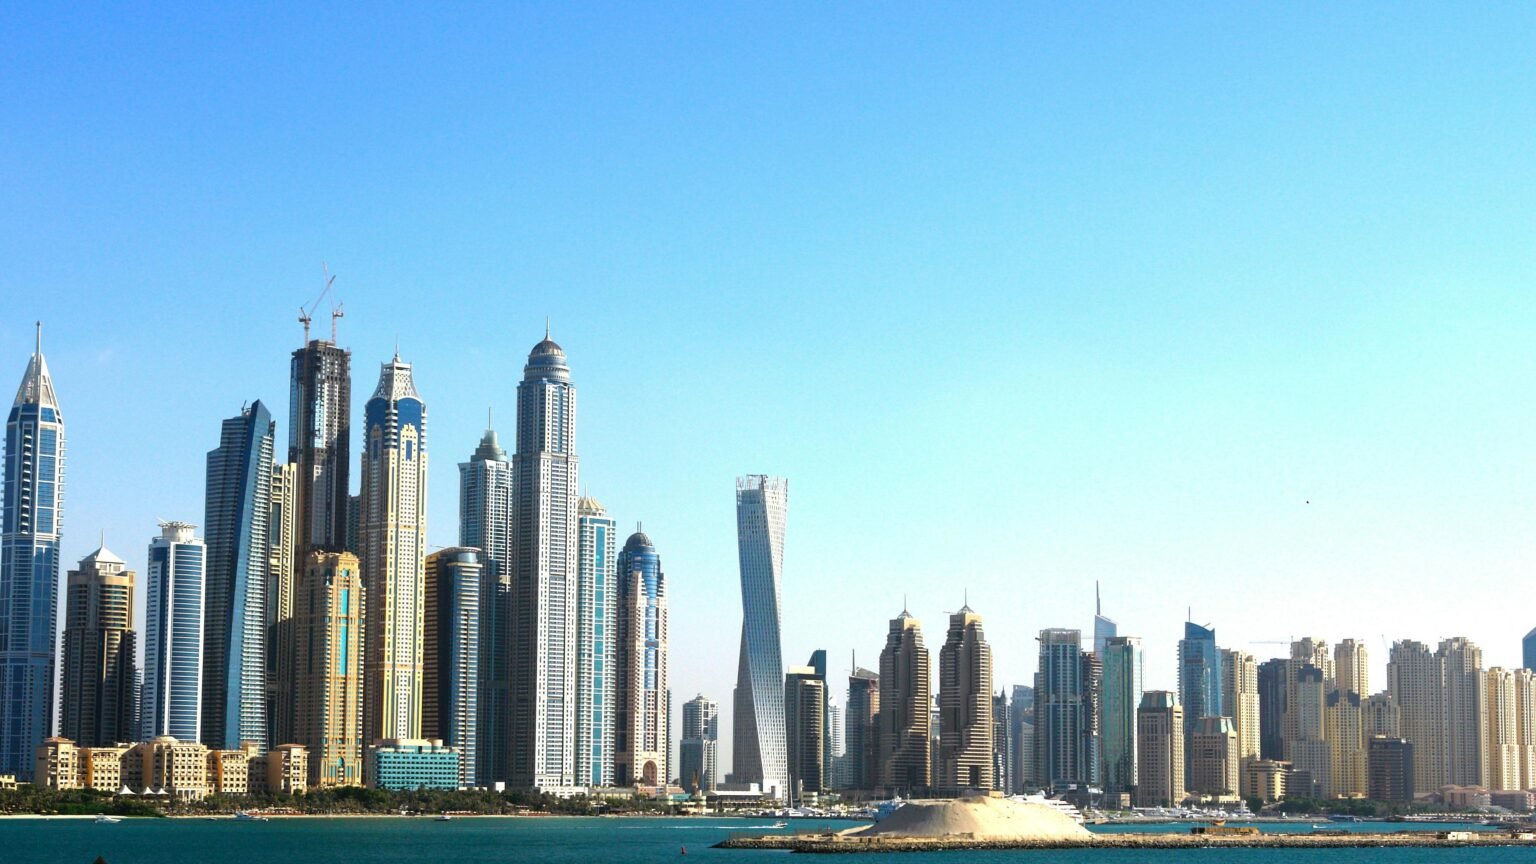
(640, 706)
(759, 755)
(597, 604)
(485, 523)
(99, 665)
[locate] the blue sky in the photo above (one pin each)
(1018, 297)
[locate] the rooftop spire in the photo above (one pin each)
(39, 349)
(1098, 604)
(36, 384)
(546, 326)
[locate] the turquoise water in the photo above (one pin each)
(623, 841)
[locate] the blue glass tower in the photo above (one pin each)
(1528, 650)
(173, 635)
(485, 523)
(1061, 711)
(1199, 674)
(29, 565)
(451, 678)
(236, 519)
(597, 604)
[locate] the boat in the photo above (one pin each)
(886, 808)
(243, 816)
(443, 817)
(779, 824)
(1063, 807)
(104, 819)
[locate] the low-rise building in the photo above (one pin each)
(166, 766)
(1266, 779)
(57, 765)
(1518, 800)
(407, 763)
(287, 769)
(1465, 797)
(229, 771)
(101, 768)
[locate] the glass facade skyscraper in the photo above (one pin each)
(450, 691)
(1061, 710)
(238, 509)
(1120, 691)
(640, 703)
(393, 507)
(758, 755)
(544, 544)
(485, 523)
(31, 516)
(319, 432)
(173, 635)
(1199, 674)
(696, 751)
(597, 602)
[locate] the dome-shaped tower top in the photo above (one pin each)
(547, 360)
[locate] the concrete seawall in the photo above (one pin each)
(842, 843)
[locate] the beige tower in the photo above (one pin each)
(1309, 651)
(1308, 749)
(1382, 716)
(905, 713)
(1466, 713)
(327, 661)
(1343, 729)
(1503, 730)
(1525, 725)
(965, 705)
(1214, 763)
(1416, 681)
(282, 582)
(1240, 700)
(1351, 668)
(97, 698)
(1159, 750)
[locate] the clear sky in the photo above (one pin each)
(1227, 308)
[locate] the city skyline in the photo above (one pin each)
(1219, 308)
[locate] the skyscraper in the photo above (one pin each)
(905, 714)
(1240, 700)
(597, 643)
(1061, 710)
(393, 506)
(485, 523)
(451, 653)
(1002, 745)
(1344, 728)
(805, 713)
(32, 512)
(965, 704)
(1199, 674)
(282, 585)
(698, 765)
(236, 526)
(1272, 710)
(1351, 668)
(1120, 697)
(328, 668)
(762, 505)
(1104, 629)
(1308, 750)
(100, 668)
(173, 635)
(859, 729)
(1466, 713)
(640, 746)
(1021, 734)
(1416, 682)
(1528, 650)
(1160, 750)
(544, 546)
(319, 432)
(1214, 764)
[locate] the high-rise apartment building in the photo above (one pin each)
(1381, 716)
(1160, 750)
(1389, 769)
(1092, 752)
(640, 707)
(1308, 750)
(1351, 668)
(1525, 725)
(1503, 730)
(544, 548)
(485, 523)
(758, 756)
(393, 507)
(1199, 674)
(1466, 710)
(697, 752)
(859, 729)
(1343, 727)
(328, 668)
(1002, 754)
(906, 717)
(282, 585)
(1240, 700)
(965, 705)
(1061, 711)
(1215, 766)
(1120, 696)
(451, 654)
(173, 635)
(805, 711)
(31, 518)
(237, 530)
(1272, 678)
(597, 643)
(1416, 682)
(99, 698)
(319, 435)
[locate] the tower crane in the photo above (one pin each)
(305, 314)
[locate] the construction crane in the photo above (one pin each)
(305, 314)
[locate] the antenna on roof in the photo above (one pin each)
(39, 349)
(1098, 602)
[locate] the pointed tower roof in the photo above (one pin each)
(102, 555)
(36, 384)
(586, 505)
(395, 381)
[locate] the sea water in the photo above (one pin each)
(486, 840)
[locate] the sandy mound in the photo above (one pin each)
(979, 817)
